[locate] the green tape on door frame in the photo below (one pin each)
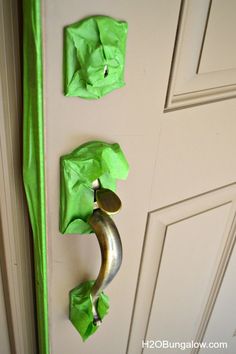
(33, 157)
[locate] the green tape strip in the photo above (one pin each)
(33, 157)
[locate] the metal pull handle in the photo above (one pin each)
(109, 240)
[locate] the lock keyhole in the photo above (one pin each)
(105, 72)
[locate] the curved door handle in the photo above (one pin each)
(111, 252)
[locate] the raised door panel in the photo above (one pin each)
(186, 251)
(203, 68)
(190, 255)
(219, 49)
(224, 312)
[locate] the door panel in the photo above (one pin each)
(187, 245)
(199, 75)
(224, 311)
(174, 155)
(184, 280)
(218, 53)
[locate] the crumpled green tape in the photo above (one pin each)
(81, 314)
(33, 157)
(94, 56)
(91, 161)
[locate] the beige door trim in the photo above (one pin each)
(15, 254)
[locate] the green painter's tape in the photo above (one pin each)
(94, 56)
(90, 161)
(81, 314)
(33, 157)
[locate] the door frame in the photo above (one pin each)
(15, 235)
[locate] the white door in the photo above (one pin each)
(175, 121)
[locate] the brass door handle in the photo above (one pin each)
(109, 242)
